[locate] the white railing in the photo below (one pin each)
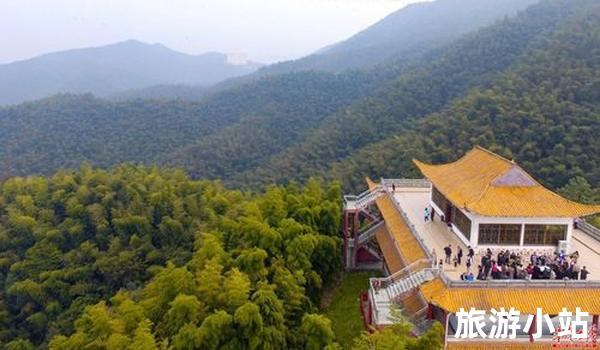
(370, 231)
(410, 225)
(363, 202)
(364, 199)
(407, 270)
(591, 230)
(406, 183)
(353, 198)
(518, 283)
(384, 284)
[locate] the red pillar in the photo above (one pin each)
(533, 328)
(595, 327)
(356, 223)
(429, 311)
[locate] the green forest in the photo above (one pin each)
(213, 221)
(525, 87)
(146, 258)
(543, 112)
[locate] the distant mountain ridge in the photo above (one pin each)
(112, 68)
(404, 34)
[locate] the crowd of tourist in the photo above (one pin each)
(510, 264)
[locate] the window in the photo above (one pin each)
(544, 234)
(438, 198)
(500, 234)
(462, 222)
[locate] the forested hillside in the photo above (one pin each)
(544, 112)
(524, 86)
(475, 62)
(65, 130)
(162, 92)
(136, 258)
(301, 101)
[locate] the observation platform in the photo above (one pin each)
(410, 245)
(437, 235)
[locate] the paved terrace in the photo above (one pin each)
(436, 235)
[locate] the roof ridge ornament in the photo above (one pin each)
(514, 177)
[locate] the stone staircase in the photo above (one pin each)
(394, 289)
(370, 232)
(406, 284)
(364, 199)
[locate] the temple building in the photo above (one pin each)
(529, 247)
(491, 201)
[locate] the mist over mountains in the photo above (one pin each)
(110, 69)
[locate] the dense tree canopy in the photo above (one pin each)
(136, 258)
(223, 133)
(539, 113)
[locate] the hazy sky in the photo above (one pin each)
(264, 30)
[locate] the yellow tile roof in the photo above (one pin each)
(392, 258)
(490, 185)
(407, 244)
(526, 300)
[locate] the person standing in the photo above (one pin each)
(459, 255)
(576, 270)
(584, 273)
(448, 252)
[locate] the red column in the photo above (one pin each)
(596, 325)
(345, 225)
(356, 223)
(533, 328)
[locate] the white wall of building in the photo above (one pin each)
(478, 219)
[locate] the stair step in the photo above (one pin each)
(408, 283)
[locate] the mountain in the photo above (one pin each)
(232, 130)
(162, 92)
(64, 130)
(447, 76)
(346, 125)
(108, 69)
(405, 34)
(543, 111)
